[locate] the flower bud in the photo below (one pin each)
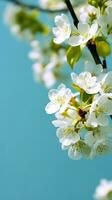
(93, 3)
(103, 48)
(97, 3)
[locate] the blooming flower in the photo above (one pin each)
(86, 81)
(105, 22)
(63, 30)
(44, 75)
(47, 68)
(99, 139)
(67, 136)
(68, 118)
(104, 190)
(59, 99)
(102, 103)
(35, 54)
(88, 13)
(106, 83)
(100, 110)
(83, 34)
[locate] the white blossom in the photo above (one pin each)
(67, 136)
(106, 83)
(86, 12)
(104, 190)
(59, 99)
(62, 30)
(86, 81)
(44, 75)
(83, 34)
(10, 19)
(102, 103)
(83, 124)
(70, 117)
(35, 54)
(99, 140)
(46, 68)
(100, 110)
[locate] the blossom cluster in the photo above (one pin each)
(47, 68)
(23, 22)
(104, 190)
(94, 27)
(82, 117)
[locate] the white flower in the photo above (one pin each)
(10, 16)
(35, 54)
(74, 154)
(106, 83)
(100, 110)
(86, 12)
(99, 140)
(49, 79)
(67, 136)
(104, 190)
(10, 12)
(87, 82)
(63, 30)
(59, 99)
(44, 75)
(83, 34)
(70, 117)
(105, 22)
(95, 120)
(102, 104)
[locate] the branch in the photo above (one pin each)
(30, 6)
(91, 47)
(71, 10)
(104, 64)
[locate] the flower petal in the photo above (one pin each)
(51, 108)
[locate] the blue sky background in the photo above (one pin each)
(32, 164)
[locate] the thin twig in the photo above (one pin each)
(30, 6)
(71, 10)
(104, 64)
(91, 47)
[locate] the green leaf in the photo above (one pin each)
(73, 55)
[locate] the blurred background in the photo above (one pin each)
(32, 164)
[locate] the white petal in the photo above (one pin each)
(83, 28)
(53, 94)
(51, 108)
(75, 155)
(74, 77)
(93, 29)
(75, 40)
(59, 123)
